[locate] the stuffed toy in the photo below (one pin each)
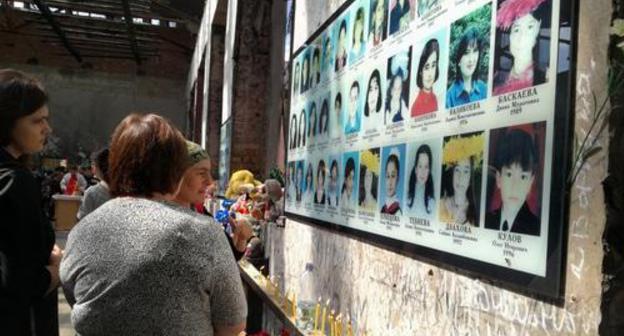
(237, 180)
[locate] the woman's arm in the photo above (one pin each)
(229, 330)
(27, 277)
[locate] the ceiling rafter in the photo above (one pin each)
(131, 35)
(45, 11)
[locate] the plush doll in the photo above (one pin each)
(238, 179)
(272, 205)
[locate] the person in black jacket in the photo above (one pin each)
(29, 259)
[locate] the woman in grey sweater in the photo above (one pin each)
(142, 265)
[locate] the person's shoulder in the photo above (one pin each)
(187, 219)
(15, 179)
(527, 222)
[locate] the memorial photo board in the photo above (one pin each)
(439, 129)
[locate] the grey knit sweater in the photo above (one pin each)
(93, 198)
(141, 267)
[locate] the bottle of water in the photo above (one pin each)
(306, 302)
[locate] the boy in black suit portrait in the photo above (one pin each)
(516, 161)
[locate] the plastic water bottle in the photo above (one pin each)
(306, 302)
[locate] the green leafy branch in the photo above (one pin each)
(588, 146)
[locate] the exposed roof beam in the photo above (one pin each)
(45, 11)
(79, 32)
(130, 27)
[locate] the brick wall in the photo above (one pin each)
(250, 86)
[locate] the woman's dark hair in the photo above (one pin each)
(374, 75)
(349, 168)
(138, 146)
(449, 191)
(429, 192)
(294, 141)
(298, 182)
(334, 164)
(317, 56)
(395, 159)
(305, 77)
(324, 113)
(309, 174)
(100, 160)
(363, 171)
(432, 46)
(356, 85)
(312, 121)
(291, 171)
(20, 96)
(343, 26)
(297, 75)
(398, 74)
(470, 37)
(359, 16)
(302, 128)
(320, 170)
(338, 99)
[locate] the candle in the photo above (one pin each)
(332, 324)
(323, 317)
(349, 327)
(294, 305)
(317, 311)
(339, 325)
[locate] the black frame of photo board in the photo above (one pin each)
(550, 288)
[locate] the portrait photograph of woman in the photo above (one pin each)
(299, 182)
(308, 185)
(333, 183)
(348, 190)
(353, 115)
(397, 91)
(305, 72)
(522, 47)
(315, 71)
(462, 160)
(319, 192)
(294, 132)
(358, 45)
(327, 54)
(303, 121)
(429, 75)
(392, 180)
(469, 61)
(342, 44)
(323, 124)
(401, 14)
(378, 22)
(296, 79)
(369, 179)
(335, 120)
(515, 175)
(422, 178)
(312, 120)
(373, 102)
(292, 183)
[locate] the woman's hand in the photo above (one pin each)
(241, 233)
(55, 263)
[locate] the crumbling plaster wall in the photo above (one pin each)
(390, 294)
(86, 105)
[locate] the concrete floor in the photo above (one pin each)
(65, 326)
